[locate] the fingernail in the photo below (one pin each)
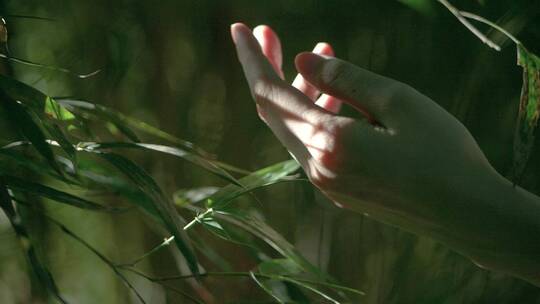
(258, 33)
(308, 62)
(320, 47)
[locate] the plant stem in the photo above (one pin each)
(244, 274)
(198, 218)
(458, 14)
(492, 24)
(165, 243)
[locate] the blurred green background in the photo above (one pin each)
(172, 64)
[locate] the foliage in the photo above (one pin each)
(65, 151)
(44, 125)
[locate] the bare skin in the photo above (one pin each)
(409, 163)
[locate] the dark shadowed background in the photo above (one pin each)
(172, 64)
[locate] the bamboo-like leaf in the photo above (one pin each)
(96, 252)
(10, 157)
(279, 267)
(33, 98)
(529, 112)
(268, 288)
(164, 207)
(215, 227)
(48, 67)
(275, 240)
(178, 152)
(260, 178)
(22, 120)
(42, 273)
(101, 112)
(45, 108)
(56, 111)
(18, 184)
(93, 176)
(184, 197)
(124, 123)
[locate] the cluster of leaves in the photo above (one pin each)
(56, 145)
(529, 105)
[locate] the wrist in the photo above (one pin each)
(497, 225)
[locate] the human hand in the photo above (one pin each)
(406, 151)
(408, 162)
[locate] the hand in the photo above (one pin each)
(408, 162)
(406, 151)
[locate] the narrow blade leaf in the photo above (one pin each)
(164, 207)
(529, 112)
(260, 178)
(42, 273)
(18, 184)
(22, 120)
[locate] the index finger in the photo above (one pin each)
(266, 86)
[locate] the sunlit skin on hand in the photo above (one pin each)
(408, 163)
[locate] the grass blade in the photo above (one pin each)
(125, 122)
(178, 152)
(21, 119)
(18, 184)
(529, 112)
(42, 273)
(164, 207)
(263, 177)
(44, 107)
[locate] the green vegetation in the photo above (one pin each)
(96, 198)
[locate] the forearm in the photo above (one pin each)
(498, 226)
(483, 218)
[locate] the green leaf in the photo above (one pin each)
(48, 67)
(213, 226)
(279, 267)
(9, 158)
(42, 273)
(257, 179)
(44, 107)
(275, 240)
(34, 98)
(529, 112)
(184, 197)
(274, 291)
(164, 207)
(56, 111)
(124, 123)
(18, 184)
(22, 120)
(178, 152)
(93, 176)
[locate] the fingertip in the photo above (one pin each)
(258, 32)
(236, 29)
(323, 48)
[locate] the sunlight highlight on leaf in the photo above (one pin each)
(529, 112)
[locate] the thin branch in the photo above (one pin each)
(165, 243)
(147, 277)
(492, 24)
(48, 67)
(99, 255)
(88, 246)
(458, 14)
(244, 274)
(253, 276)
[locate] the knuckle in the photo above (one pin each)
(402, 98)
(264, 89)
(329, 151)
(334, 73)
